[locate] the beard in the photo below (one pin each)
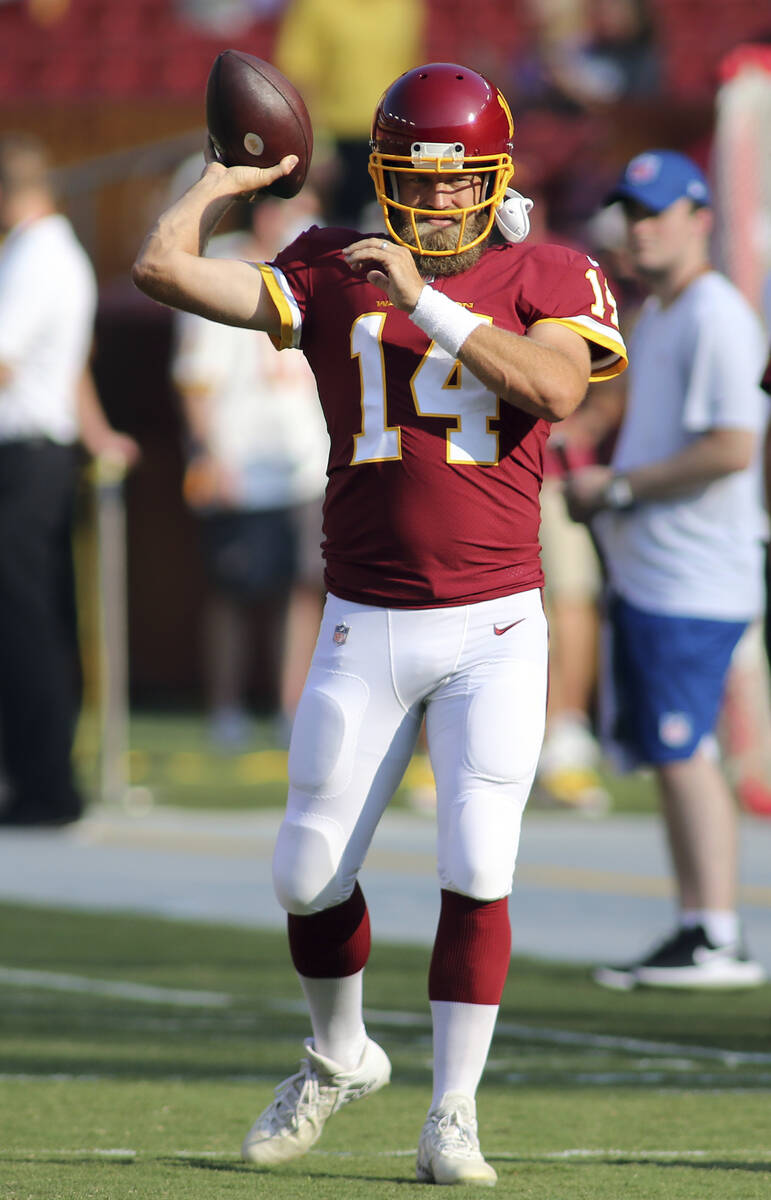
(444, 239)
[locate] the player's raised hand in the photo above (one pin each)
(248, 180)
(389, 267)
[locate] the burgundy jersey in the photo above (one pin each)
(433, 493)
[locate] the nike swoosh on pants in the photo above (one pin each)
(500, 629)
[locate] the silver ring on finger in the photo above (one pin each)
(384, 245)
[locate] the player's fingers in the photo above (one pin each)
(288, 163)
(252, 180)
(269, 175)
(372, 247)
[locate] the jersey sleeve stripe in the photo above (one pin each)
(605, 366)
(286, 306)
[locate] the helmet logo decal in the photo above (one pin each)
(507, 111)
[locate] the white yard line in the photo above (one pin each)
(638, 1155)
(122, 989)
(69, 1152)
(571, 1037)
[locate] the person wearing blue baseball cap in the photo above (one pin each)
(679, 518)
(657, 178)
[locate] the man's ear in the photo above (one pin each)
(706, 219)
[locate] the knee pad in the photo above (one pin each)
(306, 862)
(478, 844)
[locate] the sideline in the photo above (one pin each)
(585, 891)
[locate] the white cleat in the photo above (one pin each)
(294, 1121)
(448, 1151)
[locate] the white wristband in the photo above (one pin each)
(446, 323)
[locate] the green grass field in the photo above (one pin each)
(135, 1052)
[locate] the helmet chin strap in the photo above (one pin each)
(512, 216)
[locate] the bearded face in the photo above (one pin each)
(444, 239)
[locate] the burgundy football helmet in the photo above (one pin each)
(441, 117)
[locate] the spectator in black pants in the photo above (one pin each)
(39, 673)
(47, 403)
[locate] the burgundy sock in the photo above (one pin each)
(472, 950)
(333, 943)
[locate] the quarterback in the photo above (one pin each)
(444, 348)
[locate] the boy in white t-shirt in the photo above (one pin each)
(679, 515)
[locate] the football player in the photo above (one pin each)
(443, 353)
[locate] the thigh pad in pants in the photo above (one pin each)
(351, 743)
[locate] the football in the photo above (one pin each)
(255, 116)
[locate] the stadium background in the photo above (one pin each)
(117, 89)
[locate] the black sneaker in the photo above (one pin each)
(26, 817)
(687, 959)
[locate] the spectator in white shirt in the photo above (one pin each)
(47, 403)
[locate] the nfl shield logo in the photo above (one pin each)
(675, 729)
(341, 634)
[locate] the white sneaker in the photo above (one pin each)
(294, 1121)
(448, 1151)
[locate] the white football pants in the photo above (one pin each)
(479, 673)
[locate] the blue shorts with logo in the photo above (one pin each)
(666, 679)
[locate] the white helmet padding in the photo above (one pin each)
(512, 216)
